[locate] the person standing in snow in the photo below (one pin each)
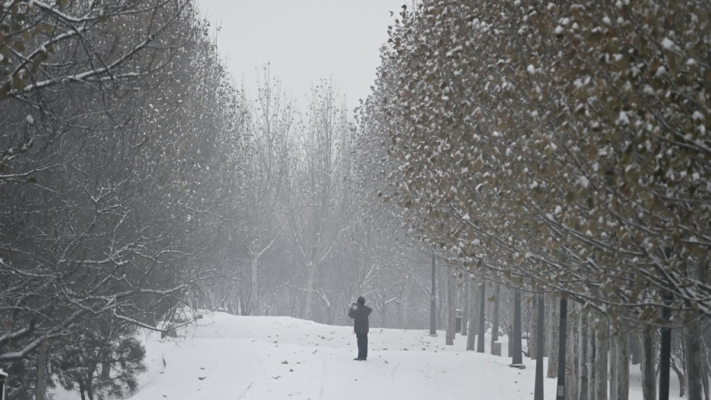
(360, 312)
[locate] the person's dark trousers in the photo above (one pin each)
(362, 345)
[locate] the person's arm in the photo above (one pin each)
(351, 312)
(368, 310)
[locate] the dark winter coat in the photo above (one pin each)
(360, 318)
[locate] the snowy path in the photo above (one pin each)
(244, 358)
(257, 358)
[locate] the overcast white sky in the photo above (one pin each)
(304, 41)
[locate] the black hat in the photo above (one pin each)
(361, 300)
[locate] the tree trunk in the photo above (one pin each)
(665, 351)
(635, 350)
(465, 309)
(623, 365)
(41, 368)
(601, 359)
(562, 345)
(517, 357)
(481, 344)
(471, 336)
(442, 291)
(705, 382)
(495, 318)
(553, 328)
(311, 272)
(509, 332)
(583, 346)
(90, 385)
(405, 303)
(693, 336)
(254, 292)
(591, 359)
(538, 387)
(433, 305)
(533, 335)
(649, 376)
(572, 378)
(382, 315)
(451, 310)
(244, 300)
(614, 376)
(682, 379)
(82, 389)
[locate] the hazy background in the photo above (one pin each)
(304, 41)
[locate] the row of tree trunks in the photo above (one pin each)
(597, 357)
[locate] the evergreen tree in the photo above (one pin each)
(104, 362)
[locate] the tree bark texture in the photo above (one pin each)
(433, 305)
(406, 303)
(623, 365)
(665, 353)
(553, 328)
(510, 347)
(649, 376)
(481, 344)
(495, 318)
(692, 338)
(601, 360)
(562, 345)
(613, 367)
(517, 357)
(311, 272)
(583, 358)
(41, 368)
(571, 354)
(465, 308)
(451, 309)
(591, 359)
(471, 335)
(538, 388)
(254, 293)
(533, 335)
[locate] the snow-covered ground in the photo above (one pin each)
(234, 357)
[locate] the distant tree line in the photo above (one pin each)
(310, 243)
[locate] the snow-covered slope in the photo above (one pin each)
(280, 358)
(234, 357)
